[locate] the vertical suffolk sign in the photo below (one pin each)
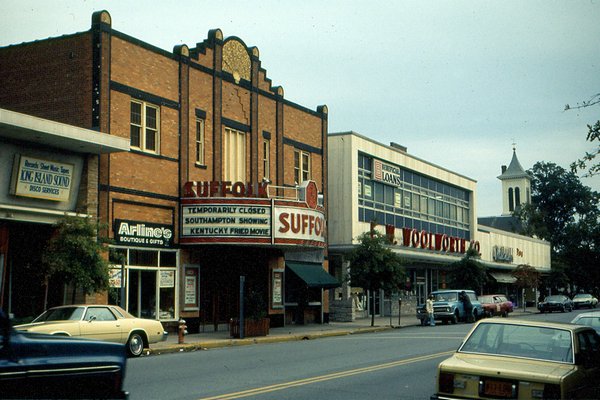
(41, 179)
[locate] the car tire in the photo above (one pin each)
(135, 345)
(504, 314)
(454, 319)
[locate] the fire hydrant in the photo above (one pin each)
(182, 330)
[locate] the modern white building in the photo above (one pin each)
(427, 211)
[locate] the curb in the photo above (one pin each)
(197, 346)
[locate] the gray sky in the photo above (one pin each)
(457, 82)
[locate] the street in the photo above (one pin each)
(399, 363)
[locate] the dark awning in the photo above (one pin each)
(313, 275)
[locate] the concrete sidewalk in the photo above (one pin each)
(208, 340)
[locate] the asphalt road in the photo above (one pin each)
(395, 364)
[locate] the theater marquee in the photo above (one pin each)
(236, 220)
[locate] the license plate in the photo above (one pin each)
(498, 389)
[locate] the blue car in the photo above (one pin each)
(42, 366)
(447, 307)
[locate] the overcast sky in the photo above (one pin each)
(457, 82)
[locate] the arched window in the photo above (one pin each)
(511, 202)
(517, 197)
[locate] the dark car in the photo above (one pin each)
(34, 365)
(496, 304)
(556, 302)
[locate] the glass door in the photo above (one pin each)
(141, 294)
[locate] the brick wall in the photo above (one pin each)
(50, 79)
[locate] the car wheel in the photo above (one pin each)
(504, 314)
(454, 319)
(563, 309)
(135, 345)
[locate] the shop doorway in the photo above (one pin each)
(220, 271)
(24, 281)
(142, 293)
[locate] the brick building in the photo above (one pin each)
(224, 177)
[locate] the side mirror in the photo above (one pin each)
(92, 318)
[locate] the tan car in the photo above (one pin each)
(103, 322)
(517, 359)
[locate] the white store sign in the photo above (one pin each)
(42, 179)
(226, 220)
(299, 224)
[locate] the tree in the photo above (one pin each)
(526, 277)
(556, 280)
(565, 212)
(593, 135)
(560, 204)
(74, 254)
(373, 266)
(468, 273)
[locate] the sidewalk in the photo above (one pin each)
(208, 340)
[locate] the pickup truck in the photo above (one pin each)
(448, 308)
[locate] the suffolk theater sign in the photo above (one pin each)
(242, 213)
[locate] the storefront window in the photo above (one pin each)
(150, 284)
(143, 257)
(168, 259)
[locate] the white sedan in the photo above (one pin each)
(103, 322)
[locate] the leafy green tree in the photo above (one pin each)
(587, 161)
(565, 212)
(468, 273)
(74, 254)
(374, 266)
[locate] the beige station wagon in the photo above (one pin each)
(522, 360)
(101, 322)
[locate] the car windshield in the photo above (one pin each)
(61, 314)
(542, 343)
(554, 298)
(446, 296)
(486, 299)
(582, 296)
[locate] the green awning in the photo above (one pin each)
(313, 275)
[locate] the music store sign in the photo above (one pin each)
(244, 220)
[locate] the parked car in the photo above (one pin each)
(496, 304)
(103, 322)
(448, 308)
(35, 365)
(510, 359)
(584, 300)
(591, 318)
(556, 302)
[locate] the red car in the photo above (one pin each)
(496, 304)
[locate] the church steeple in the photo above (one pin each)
(516, 185)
